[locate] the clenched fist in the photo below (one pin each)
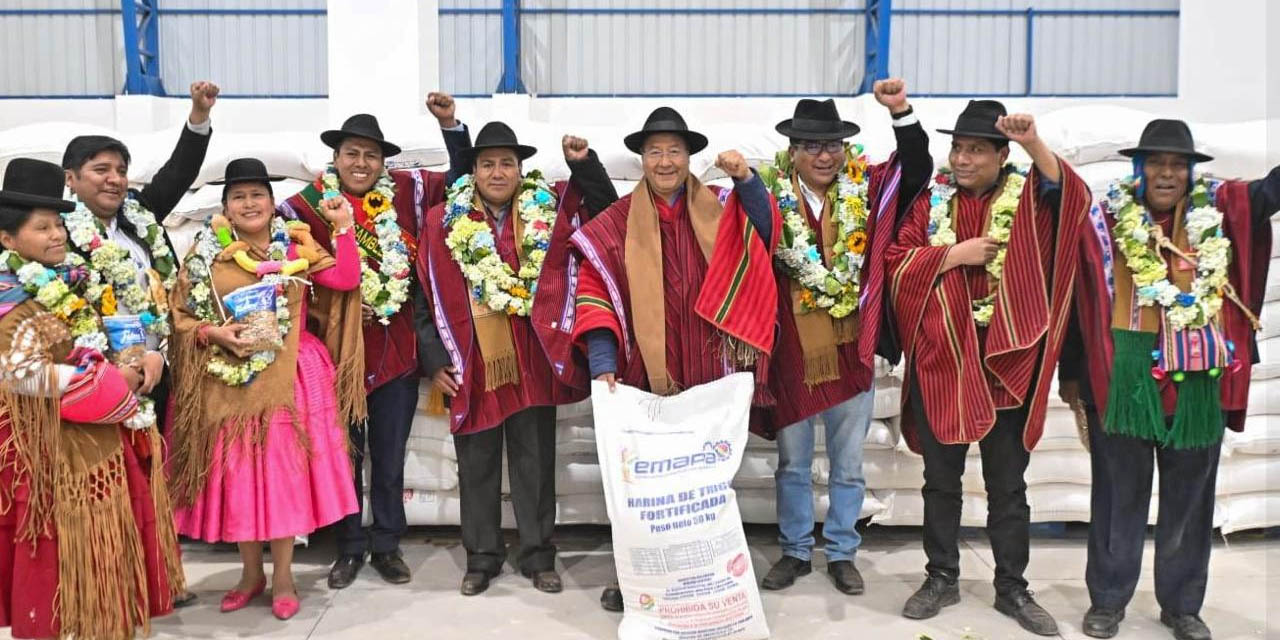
(442, 106)
(733, 164)
(203, 96)
(338, 212)
(575, 148)
(891, 93)
(1018, 127)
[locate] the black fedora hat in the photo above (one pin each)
(361, 125)
(495, 135)
(246, 170)
(1168, 136)
(817, 120)
(978, 120)
(665, 120)
(35, 184)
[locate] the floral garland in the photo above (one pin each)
(386, 289)
(202, 303)
(61, 299)
(1134, 231)
(1000, 228)
(836, 288)
(471, 242)
(113, 263)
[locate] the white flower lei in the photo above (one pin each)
(57, 297)
(1134, 232)
(1000, 228)
(834, 289)
(111, 262)
(386, 289)
(474, 249)
(201, 302)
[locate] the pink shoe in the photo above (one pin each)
(236, 600)
(285, 607)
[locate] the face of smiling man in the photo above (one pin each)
(101, 183)
(359, 163)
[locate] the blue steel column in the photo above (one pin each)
(877, 44)
(510, 82)
(141, 47)
(1031, 52)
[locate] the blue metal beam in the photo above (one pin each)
(1031, 51)
(141, 48)
(510, 81)
(878, 27)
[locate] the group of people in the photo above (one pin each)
(232, 394)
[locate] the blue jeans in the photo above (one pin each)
(846, 425)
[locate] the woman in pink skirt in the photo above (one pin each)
(257, 446)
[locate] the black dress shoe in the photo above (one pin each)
(186, 599)
(846, 577)
(390, 566)
(611, 598)
(784, 573)
(1186, 626)
(344, 571)
(930, 598)
(1021, 607)
(475, 582)
(1100, 622)
(546, 581)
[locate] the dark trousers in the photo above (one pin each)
(531, 463)
(386, 433)
(1121, 497)
(1004, 459)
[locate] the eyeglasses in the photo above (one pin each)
(812, 148)
(656, 155)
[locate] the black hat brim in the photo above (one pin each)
(468, 156)
(18, 199)
(635, 141)
(974, 134)
(333, 139)
(847, 130)
(239, 179)
(1193, 154)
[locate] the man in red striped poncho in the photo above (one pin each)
(980, 281)
(676, 288)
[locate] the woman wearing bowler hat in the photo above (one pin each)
(87, 539)
(258, 449)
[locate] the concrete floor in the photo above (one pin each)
(1244, 584)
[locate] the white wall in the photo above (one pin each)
(1225, 56)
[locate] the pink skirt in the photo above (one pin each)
(277, 490)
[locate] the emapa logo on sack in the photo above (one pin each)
(635, 468)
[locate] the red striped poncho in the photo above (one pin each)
(967, 373)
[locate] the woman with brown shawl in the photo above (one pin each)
(87, 547)
(258, 436)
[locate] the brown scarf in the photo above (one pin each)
(819, 333)
(493, 328)
(204, 405)
(1126, 313)
(643, 257)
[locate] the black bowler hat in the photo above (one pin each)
(35, 184)
(495, 135)
(361, 125)
(978, 120)
(1168, 136)
(665, 120)
(817, 120)
(246, 170)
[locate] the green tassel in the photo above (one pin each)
(1197, 421)
(1133, 401)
